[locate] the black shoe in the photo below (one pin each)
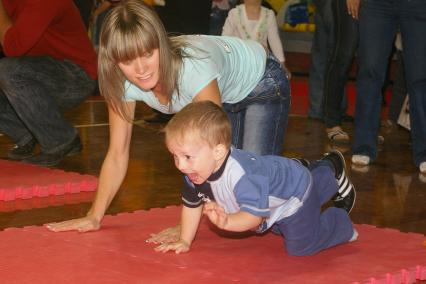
(346, 195)
(302, 161)
(158, 117)
(52, 159)
(19, 153)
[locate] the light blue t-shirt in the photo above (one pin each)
(237, 65)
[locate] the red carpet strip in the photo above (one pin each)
(118, 254)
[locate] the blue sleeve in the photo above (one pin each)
(189, 194)
(252, 195)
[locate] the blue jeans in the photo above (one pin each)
(33, 91)
(322, 45)
(379, 21)
(346, 42)
(260, 120)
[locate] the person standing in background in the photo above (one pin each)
(345, 17)
(379, 22)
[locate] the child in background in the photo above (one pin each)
(240, 191)
(253, 21)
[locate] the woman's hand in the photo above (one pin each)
(84, 224)
(168, 235)
(177, 247)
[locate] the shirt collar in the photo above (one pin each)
(216, 175)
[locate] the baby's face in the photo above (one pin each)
(194, 157)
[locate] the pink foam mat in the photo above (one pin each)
(118, 254)
(24, 181)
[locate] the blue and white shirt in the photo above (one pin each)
(271, 187)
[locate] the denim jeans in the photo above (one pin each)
(322, 45)
(379, 21)
(399, 89)
(346, 42)
(260, 120)
(33, 90)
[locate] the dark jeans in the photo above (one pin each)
(379, 21)
(321, 51)
(260, 120)
(33, 90)
(217, 20)
(346, 41)
(399, 89)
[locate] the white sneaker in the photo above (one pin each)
(422, 167)
(361, 160)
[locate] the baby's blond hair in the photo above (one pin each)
(204, 118)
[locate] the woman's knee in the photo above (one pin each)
(8, 65)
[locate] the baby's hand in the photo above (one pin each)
(216, 214)
(178, 247)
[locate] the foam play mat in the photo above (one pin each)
(24, 181)
(118, 254)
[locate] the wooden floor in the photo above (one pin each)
(391, 192)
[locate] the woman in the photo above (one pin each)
(138, 62)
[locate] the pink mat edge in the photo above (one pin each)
(403, 275)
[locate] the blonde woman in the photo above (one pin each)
(139, 62)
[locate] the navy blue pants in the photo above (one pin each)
(309, 230)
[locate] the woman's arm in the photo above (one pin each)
(210, 92)
(113, 171)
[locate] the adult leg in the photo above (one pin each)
(11, 124)
(346, 41)
(413, 28)
(265, 126)
(37, 88)
(309, 231)
(267, 112)
(260, 120)
(322, 43)
(377, 27)
(399, 89)
(237, 125)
